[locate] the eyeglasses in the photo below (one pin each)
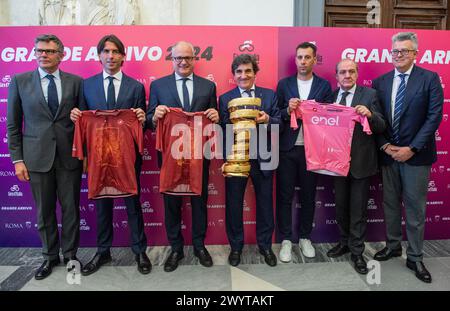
(179, 59)
(46, 51)
(404, 52)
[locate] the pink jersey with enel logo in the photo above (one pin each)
(328, 132)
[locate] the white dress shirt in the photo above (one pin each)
(189, 85)
(395, 84)
(349, 98)
(117, 82)
(45, 82)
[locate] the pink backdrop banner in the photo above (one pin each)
(148, 58)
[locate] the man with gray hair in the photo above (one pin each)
(40, 135)
(412, 101)
(352, 191)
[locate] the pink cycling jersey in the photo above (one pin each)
(328, 132)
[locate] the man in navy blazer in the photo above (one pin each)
(412, 103)
(112, 89)
(183, 89)
(244, 69)
(292, 169)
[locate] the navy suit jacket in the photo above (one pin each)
(163, 91)
(420, 116)
(131, 94)
(268, 105)
(287, 88)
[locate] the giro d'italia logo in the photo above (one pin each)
(6, 80)
(15, 191)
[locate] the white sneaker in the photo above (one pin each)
(307, 248)
(285, 251)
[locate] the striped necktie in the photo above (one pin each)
(399, 100)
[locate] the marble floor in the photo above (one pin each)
(17, 267)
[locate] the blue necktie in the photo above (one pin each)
(399, 100)
(186, 105)
(52, 95)
(111, 100)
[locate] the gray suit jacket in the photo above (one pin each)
(364, 160)
(33, 134)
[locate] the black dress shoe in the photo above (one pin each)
(359, 264)
(144, 265)
(421, 272)
(46, 269)
(269, 257)
(172, 261)
(338, 251)
(387, 253)
(95, 263)
(234, 258)
(72, 258)
(204, 257)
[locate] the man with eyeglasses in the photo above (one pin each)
(184, 89)
(109, 90)
(40, 136)
(412, 102)
(305, 84)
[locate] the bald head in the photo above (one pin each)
(346, 74)
(183, 58)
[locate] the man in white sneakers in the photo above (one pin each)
(292, 169)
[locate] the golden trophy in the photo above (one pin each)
(243, 112)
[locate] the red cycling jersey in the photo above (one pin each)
(182, 151)
(110, 137)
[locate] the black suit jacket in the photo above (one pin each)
(163, 91)
(420, 116)
(364, 160)
(287, 88)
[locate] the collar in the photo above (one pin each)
(178, 77)
(351, 91)
(118, 75)
(408, 72)
(43, 73)
(252, 89)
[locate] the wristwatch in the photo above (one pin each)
(414, 149)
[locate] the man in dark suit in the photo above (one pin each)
(292, 169)
(244, 69)
(183, 89)
(40, 136)
(112, 89)
(412, 101)
(352, 191)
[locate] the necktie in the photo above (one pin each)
(111, 99)
(399, 100)
(52, 95)
(343, 99)
(186, 104)
(249, 92)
